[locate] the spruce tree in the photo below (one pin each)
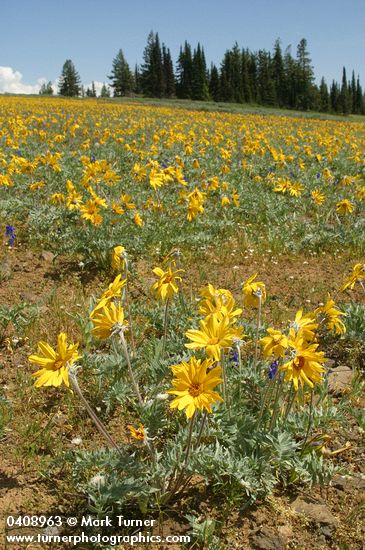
(360, 103)
(69, 83)
(184, 73)
(304, 77)
(121, 76)
(266, 84)
(324, 98)
(199, 84)
(334, 97)
(345, 98)
(245, 77)
(152, 76)
(168, 73)
(46, 89)
(104, 92)
(278, 74)
(214, 87)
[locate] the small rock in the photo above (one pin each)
(348, 484)
(47, 256)
(265, 539)
(28, 297)
(319, 513)
(339, 380)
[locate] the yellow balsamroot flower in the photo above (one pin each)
(118, 258)
(54, 363)
(344, 207)
(91, 212)
(110, 320)
(138, 433)
(332, 316)
(307, 365)
(275, 344)
(218, 301)
(114, 291)
(305, 325)
(138, 220)
(166, 286)
(225, 201)
(251, 292)
(318, 197)
(358, 274)
(193, 386)
(215, 334)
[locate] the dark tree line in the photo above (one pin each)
(275, 78)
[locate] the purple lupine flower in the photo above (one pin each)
(273, 369)
(10, 233)
(234, 357)
(92, 157)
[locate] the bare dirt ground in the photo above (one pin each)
(32, 483)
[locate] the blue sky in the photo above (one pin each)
(37, 36)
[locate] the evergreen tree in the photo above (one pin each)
(168, 73)
(93, 90)
(245, 77)
(214, 87)
(278, 74)
(305, 77)
(137, 80)
(184, 73)
(359, 103)
(121, 76)
(152, 77)
(69, 83)
(199, 84)
(345, 98)
(334, 97)
(252, 71)
(353, 92)
(291, 84)
(105, 92)
(324, 97)
(46, 89)
(266, 84)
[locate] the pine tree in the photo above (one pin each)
(214, 87)
(46, 89)
(245, 77)
(278, 74)
(353, 92)
(291, 83)
(152, 77)
(324, 98)
(345, 98)
(360, 103)
(105, 92)
(199, 84)
(168, 73)
(334, 97)
(121, 76)
(304, 77)
(184, 73)
(266, 84)
(69, 83)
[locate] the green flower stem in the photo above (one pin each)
(130, 370)
(165, 323)
(202, 425)
(225, 384)
(291, 398)
(126, 295)
(310, 419)
(259, 296)
(275, 406)
(98, 423)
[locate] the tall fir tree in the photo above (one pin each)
(69, 83)
(214, 87)
(105, 91)
(345, 97)
(152, 76)
(46, 89)
(334, 97)
(168, 73)
(324, 97)
(360, 103)
(199, 84)
(266, 84)
(278, 74)
(305, 77)
(121, 77)
(184, 72)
